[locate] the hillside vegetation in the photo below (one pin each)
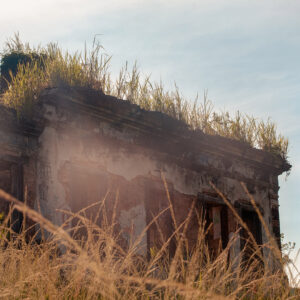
(49, 66)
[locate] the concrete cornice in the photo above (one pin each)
(162, 127)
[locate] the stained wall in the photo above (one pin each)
(88, 149)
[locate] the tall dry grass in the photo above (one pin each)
(63, 266)
(92, 69)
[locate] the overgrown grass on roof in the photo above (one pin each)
(91, 69)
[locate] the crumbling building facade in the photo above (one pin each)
(81, 146)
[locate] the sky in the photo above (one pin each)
(245, 53)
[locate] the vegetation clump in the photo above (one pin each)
(40, 68)
(62, 266)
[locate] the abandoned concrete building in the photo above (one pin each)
(81, 146)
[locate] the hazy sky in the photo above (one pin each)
(246, 53)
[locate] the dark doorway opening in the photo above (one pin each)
(17, 190)
(162, 229)
(248, 246)
(216, 222)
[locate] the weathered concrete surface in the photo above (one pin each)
(84, 147)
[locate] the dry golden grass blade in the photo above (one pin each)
(93, 270)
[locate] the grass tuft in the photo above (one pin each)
(91, 69)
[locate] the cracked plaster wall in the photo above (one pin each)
(92, 144)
